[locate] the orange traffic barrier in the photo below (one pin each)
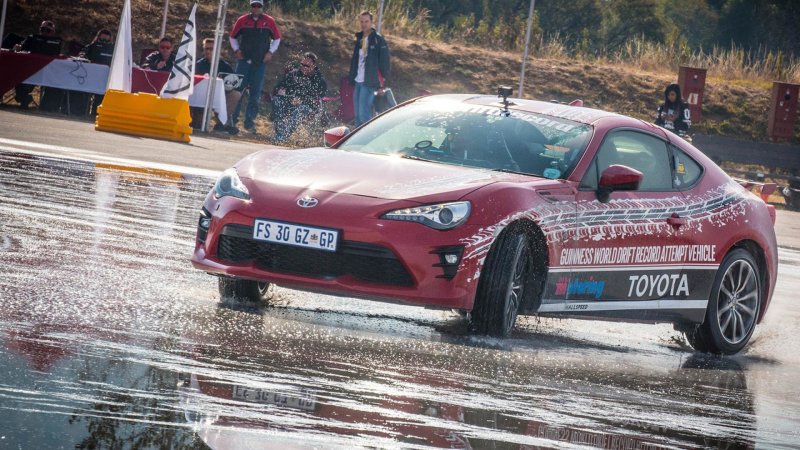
(146, 115)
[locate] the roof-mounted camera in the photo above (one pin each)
(504, 92)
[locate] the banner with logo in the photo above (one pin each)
(180, 83)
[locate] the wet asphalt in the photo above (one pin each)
(110, 339)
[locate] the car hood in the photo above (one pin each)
(375, 176)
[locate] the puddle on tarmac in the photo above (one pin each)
(108, 338)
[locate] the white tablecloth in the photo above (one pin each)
(92, 78)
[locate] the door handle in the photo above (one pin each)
(676, 221)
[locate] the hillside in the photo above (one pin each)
(731, 108)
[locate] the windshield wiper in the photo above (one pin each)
(417, 158)
(514, 172)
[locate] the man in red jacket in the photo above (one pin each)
(254, 38)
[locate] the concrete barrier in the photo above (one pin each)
(144, 115)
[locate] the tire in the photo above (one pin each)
(503, 286)
(733, 307)
(244, 290)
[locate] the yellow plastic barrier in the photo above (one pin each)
(146, 115)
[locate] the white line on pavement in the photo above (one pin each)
(32, 148)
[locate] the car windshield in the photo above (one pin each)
(456, 133)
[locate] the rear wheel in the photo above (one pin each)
(504, 285)
(244, 290)
(733, 308)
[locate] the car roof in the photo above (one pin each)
(579, 114)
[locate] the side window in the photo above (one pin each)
(687, 171)
(639, 151)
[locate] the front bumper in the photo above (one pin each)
(377, 259)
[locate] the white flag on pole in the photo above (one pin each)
(119, 74)
(181, 80)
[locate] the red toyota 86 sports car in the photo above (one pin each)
(500, 208)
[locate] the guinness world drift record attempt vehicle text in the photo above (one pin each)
(501, 208)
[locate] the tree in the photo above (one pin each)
(574, 21)
(627, 19)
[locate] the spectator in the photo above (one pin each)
(99, 51)
(297, 97)
(203, 67)
(161, 59)
(370, 58)
(254, 38)
(674, 114)
(44, 43)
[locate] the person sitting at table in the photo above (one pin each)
(232, 96)
(161, 59)
(44, 43)
(297, 97)
(99, 51)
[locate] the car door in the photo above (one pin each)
(627, 255)
(711, 206)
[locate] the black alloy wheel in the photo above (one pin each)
(733, 308)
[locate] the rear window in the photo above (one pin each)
(687, 171)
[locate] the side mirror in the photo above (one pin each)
(618, 178)
(334, 135)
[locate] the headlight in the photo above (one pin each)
(443, 216)
(229, 184)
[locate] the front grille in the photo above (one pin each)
(366, 262)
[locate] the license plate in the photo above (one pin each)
(297, 235)
(304, 401)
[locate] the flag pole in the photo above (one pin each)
(164, 20)
(212, 81)
(527, 43)
(380, 17)
(3, 20)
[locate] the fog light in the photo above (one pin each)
(449, 260)
(203, 224)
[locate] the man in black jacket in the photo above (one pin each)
(674, 113)
(297, 97)
(232, 96)
(161, 59)
(370, 63)
(99, 51)
(44, 43)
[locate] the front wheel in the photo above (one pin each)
(733, 308)
(504, 286)
(244, 290)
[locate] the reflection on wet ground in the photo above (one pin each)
(108, 338)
